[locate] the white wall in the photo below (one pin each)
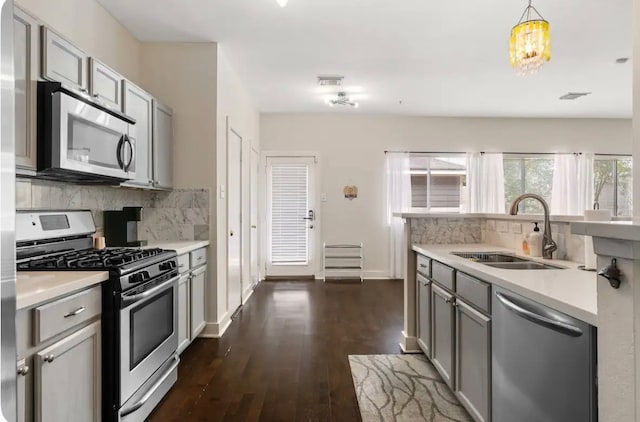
(90, 27)
(352, 152)
(236, 105)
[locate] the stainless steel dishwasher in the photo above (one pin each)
(543, 363)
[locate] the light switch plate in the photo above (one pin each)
(503, 226)
(323, 197)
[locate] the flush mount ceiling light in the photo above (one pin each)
(282, 3)
(530, 44)
(330, 80)
(342, 99)
(574, 95)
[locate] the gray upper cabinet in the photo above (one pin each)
(26, 60)
(76, 360)
(473, 361)
(139, 104)
(424, 314)
(62, 61)
(442, 345)
(162, 146)
(105, 84)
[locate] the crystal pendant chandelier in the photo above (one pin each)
(530, 44)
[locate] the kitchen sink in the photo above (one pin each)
(486, 257)
(526, 265)
(505, 261)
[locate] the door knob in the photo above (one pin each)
(231, 234)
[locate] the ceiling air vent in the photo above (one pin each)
(330, 80)
(574, 95)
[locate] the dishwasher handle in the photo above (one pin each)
(547, 320)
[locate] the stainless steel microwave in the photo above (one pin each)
(81, 140)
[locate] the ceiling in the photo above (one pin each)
(411, 57)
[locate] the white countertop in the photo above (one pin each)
(623, 230)
(33, 288)
(180, 246)
(569, 290)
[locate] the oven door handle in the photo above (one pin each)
(137, 405)
(128, 300)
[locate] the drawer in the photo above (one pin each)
(423, 265)
(442, 275)
(56, 317)
(198, 257)
(474, 291)
(183, 263)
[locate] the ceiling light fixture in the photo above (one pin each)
(342, 100)
(530, 44)
(330, 80)
(282, 3)
(574, 95)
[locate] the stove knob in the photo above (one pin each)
(169, 265)
(137, 278)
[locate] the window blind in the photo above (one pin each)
(289, 207)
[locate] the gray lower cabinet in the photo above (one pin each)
(139, 104)
(442, 345)
(424, 314)
(67, 382)
(26, 61)
(184, 332)
(198, 281)
(473, 361)
(24, 404)
(162, 146)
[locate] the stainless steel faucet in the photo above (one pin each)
(548, 245)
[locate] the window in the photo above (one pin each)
(532, 174)
(613, 187)
(438, 182)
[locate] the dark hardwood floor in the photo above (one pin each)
(284, 357)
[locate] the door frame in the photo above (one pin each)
(315, 247)
(230, 130)
(254, 206)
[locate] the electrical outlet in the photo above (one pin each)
(516, 228)
(491, 225)
(323, 197)
(503, 226)
(222, 191)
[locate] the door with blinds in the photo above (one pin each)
(290, 216)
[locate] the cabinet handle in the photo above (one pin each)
(423, 265)
(49, 358)
(23, 370)
(76, 312)
(83, 90)
(448, 300)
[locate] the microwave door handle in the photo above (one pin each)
(119, 152)
(128, 142)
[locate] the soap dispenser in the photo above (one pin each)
(535, 241)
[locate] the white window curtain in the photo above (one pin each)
(485, 182)
(572, 189)
(398, 181)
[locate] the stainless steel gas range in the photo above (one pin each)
(139, 305)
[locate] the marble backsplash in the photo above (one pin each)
(510, 234)
(182, 214)
(446, 230)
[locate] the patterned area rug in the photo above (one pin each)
(403, 388)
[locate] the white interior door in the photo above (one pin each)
(234, 220)
(254, 239)
(290, 216)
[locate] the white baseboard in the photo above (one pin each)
(409, 344)
(246, 295)
(216, 329)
